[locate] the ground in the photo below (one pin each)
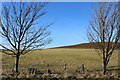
(57, 58)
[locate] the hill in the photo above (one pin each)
(84, 46)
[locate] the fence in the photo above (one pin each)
(81, 70)
(51, 69)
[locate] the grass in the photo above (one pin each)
(58, 57)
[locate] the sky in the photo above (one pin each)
(71, 20)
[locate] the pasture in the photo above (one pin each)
(56, 58)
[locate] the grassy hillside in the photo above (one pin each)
(87, 45)
(58, 57)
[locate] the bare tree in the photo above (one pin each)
(104, 31)
(20, 28)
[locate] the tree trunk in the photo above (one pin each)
(17, 63)
(104, 67)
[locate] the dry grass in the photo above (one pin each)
(57, 58)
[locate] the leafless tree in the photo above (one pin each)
(21, 30)
(104, 31)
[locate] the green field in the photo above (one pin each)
(58, 57)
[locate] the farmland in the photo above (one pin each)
(56, 58)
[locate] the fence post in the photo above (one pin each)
(35, 71)
(65, 68)
(82, 68)
(13, 68)
(48, 71)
